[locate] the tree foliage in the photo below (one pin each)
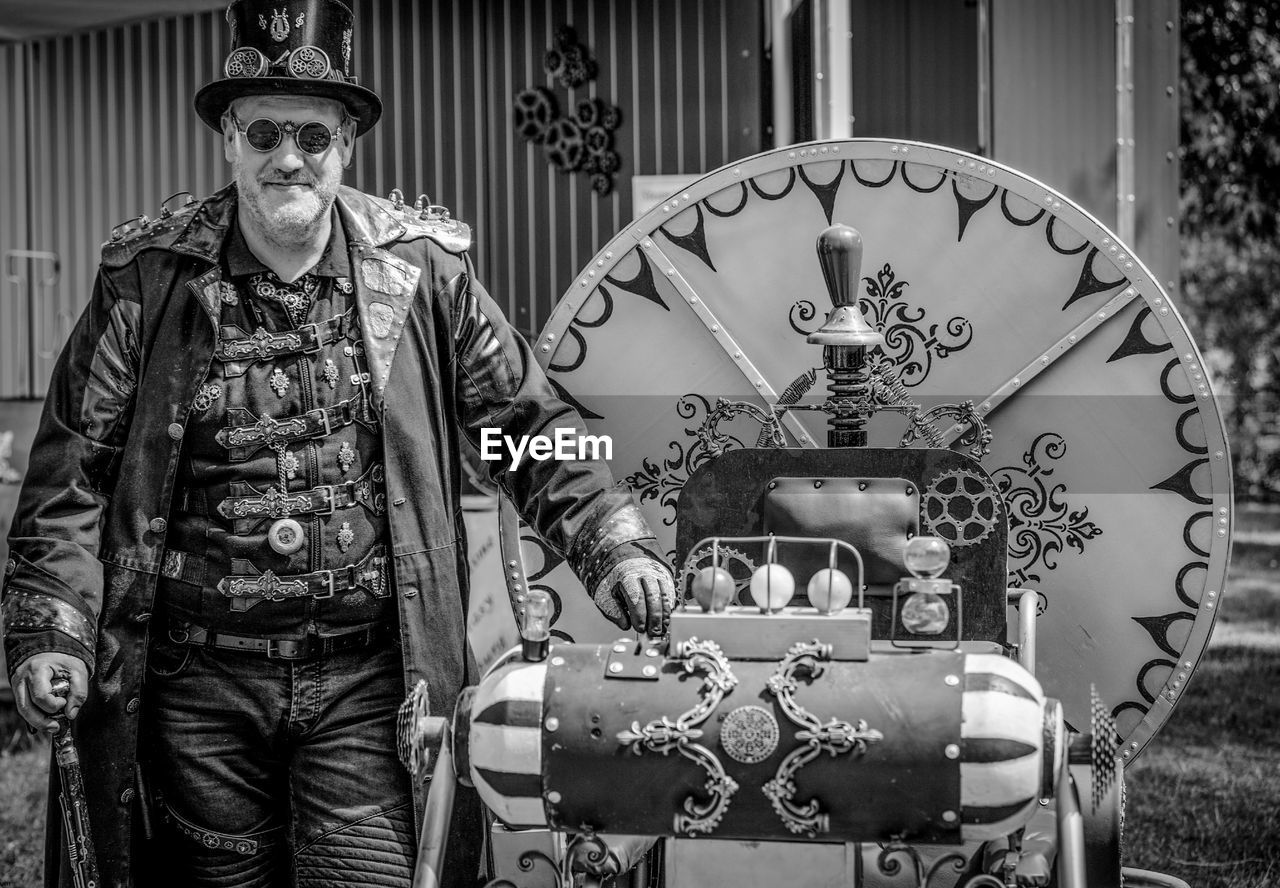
(1231, 117)
(1230, 205)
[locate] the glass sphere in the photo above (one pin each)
(772, 586)
(830, 590)
(926, 556)
(713, 589)
(925, 613)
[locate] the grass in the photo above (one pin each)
(1203, 800)
(23, 784)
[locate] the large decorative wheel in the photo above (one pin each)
(987, 286)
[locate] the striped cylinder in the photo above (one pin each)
(504, 743)
(1011, 745)
(959, 746)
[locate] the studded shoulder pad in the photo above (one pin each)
(131, 237)
(425, 219)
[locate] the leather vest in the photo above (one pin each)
(278, 524)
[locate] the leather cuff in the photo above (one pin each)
(594, 553)
(27, 611)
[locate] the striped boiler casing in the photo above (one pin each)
(1012, 742)
(503, 742)
(960, 746)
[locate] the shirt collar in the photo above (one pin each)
(334, 261)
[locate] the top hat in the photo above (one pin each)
(290, 47)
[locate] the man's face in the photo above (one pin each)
(286, 191)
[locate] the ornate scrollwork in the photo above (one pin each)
(1041, 524)
(910, 346)
(663, 479)
(834, 737)
(716, 443)
(666, 736)
(527, 862)
(891, 866)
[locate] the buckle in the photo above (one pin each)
(316, 342)
(324, 419)
(288, 649)
(328, 492)
(327, 576)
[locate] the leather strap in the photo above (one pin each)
(370, 574)
(367, 491)
(243, 440)
(262, 345)
(279, 648)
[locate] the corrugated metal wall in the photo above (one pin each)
(109, 133)
(14, 305)
(915, 71)
(1155, 103)
(686, 74)
(1054, 110)
(1054, 96)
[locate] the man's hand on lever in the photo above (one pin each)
(638, 593)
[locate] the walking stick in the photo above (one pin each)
(71, 798)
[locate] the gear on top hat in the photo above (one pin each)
(290, 47)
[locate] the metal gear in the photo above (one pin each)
(739, 565)
(1104, 743)
(960, 507)
(410, 746)
(588, 112)
(535, 110)
(564, 145)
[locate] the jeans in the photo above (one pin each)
(279, 773)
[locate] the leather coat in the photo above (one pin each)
(88, 538)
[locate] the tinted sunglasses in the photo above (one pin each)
(264, 134)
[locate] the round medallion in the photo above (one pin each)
(286, 536)
(749, 734)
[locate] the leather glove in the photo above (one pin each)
(33, 695)
(639, 592)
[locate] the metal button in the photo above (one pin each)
(158, 525)
(175, 431)
(133, 705)
(127, 796)
(411, 591)
(142, 617)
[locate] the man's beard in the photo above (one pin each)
(292, 221)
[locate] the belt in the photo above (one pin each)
(263, 345)
(370, 573)
(365, 491)
(243, 441)
(279, 648)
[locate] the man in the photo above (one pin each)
(240, 536)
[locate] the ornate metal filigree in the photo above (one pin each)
(666, 736)
(934, 874)
(834, 737)
(529, 861)
(749, 734)
(1041, 524)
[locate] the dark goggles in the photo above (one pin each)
(264, 134)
